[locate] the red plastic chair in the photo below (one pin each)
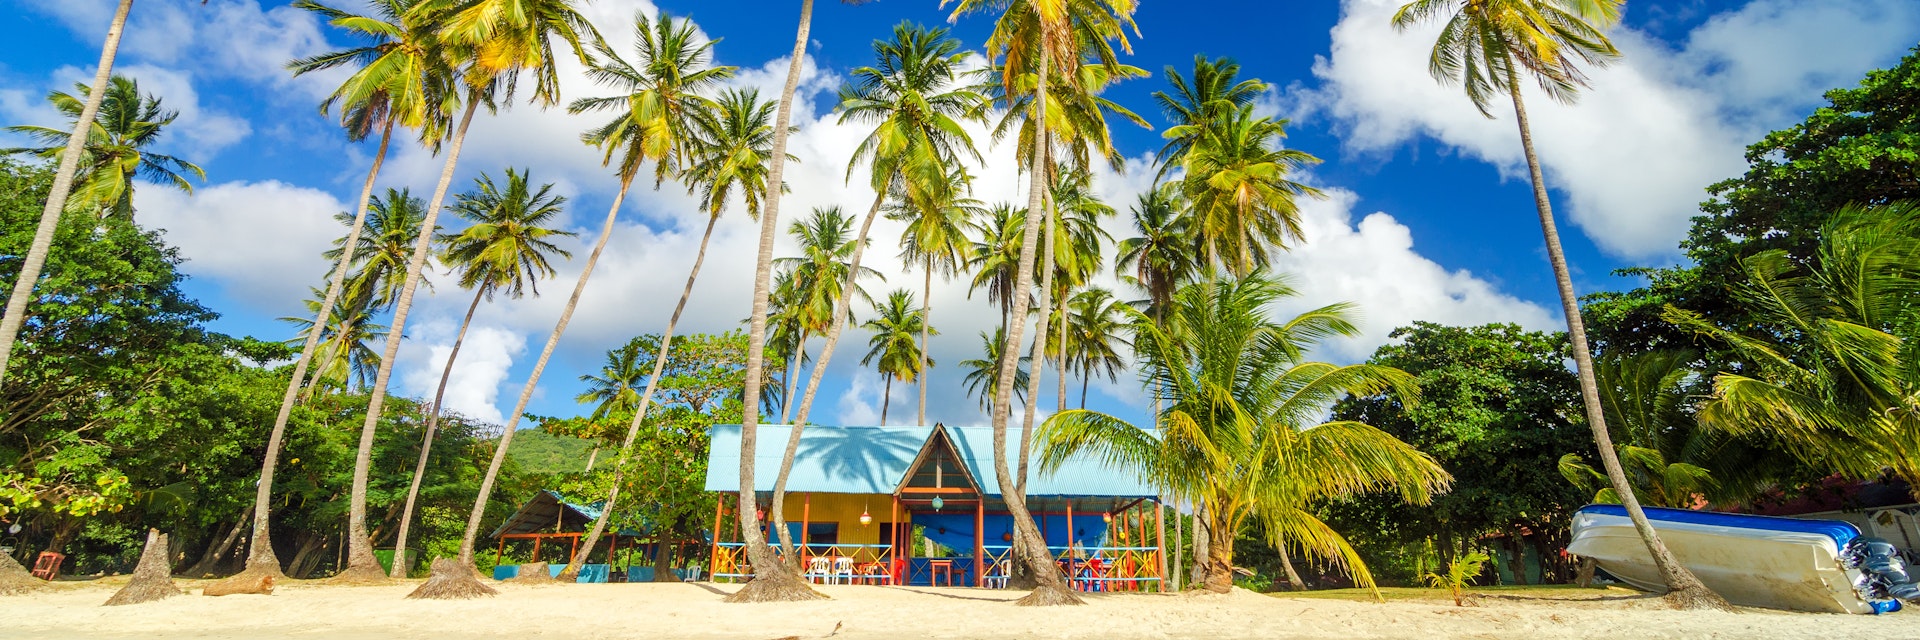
(47, 566)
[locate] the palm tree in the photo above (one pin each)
(1236, 182)
(392, 85)
(493, 41)
(378, 255)
(1160, 253)
(1212, 94)
(1835, 373)
(125, 124)
(1039, 37)
(1492, 47)
(663, 116)
(982, 372)
(895, 325)
(1079, 247)
(1243, 434)
(994, 257)
(504, 250)
(57, 195)
(1096, 322)
(916, 96)
(825, 276)
(937, 221)
(773, 580)
(616, 390)
(346, 362)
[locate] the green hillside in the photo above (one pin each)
(537, 451)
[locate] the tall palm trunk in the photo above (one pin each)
(16, 313)
(817, 374)
(1200, 544)
(361, 565)
(640, 412)
(793, 377)
(773, 580)
(1037, 359)
(1294, 583)
(1060, 350)
(533, 378)
(400, 565)
(260, 556)
(1029, 546)
(1219, 555)
(886, 398)
(1685, 590)
(926, 327)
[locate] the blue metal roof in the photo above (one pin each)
(874, 459)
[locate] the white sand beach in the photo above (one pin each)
(314, 610)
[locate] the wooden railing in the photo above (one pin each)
(866, 563)
(1090, 568)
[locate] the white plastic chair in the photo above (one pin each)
(819, 568)
(842, 570)
(996, 577)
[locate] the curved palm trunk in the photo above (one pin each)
(1685, 590)
(926, 327)
(1029, 546)
(1294, 583)
(1219, 556)
(533, 378)
(773, 580)
(361, 565)
(16, 313)
(260, 556)
(639, 414)
(1037, 359)
(400, 565)
(886, 398)
(817, 374)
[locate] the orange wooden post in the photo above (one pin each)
(713, 556)
(980, 542)
(502, 553)
(893, 544)
(574, 550)
(536, 548)
(806, 513)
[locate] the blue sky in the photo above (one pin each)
(1428, 216)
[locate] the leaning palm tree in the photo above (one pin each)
(773, 580)
(392, 85)
(1835, 373)
(891, 349)
(936, 238)
(916, 95)
(1038, 37)
(662, 116)
(492, 41)
(117, 149)
(1492, 47)
(504, 250)
(825, 276)
(1243, 433)
(57, 194)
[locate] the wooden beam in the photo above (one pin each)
(942, 490)
(980, 543)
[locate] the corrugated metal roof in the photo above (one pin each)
(874, 459)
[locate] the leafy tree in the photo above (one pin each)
(1096, 326)
(1494, 410)
(936, 238)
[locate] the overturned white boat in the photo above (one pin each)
(1755, 561)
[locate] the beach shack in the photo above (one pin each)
(550, 523)
(861, 500)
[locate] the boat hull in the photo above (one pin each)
(1755, 561)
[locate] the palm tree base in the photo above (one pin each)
(1696, 597)
(452, 580)
(779, 586)
(365, 575)
(16, 580)
(1049, 595)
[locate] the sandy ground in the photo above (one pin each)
(312, 610)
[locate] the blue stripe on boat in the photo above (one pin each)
(1841, 532)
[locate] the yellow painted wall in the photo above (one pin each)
(844, 508)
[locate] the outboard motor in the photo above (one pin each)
(1883, 573)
